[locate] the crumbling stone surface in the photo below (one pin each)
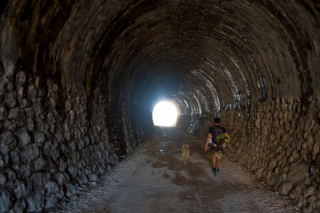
(49, 152)
(282, 147)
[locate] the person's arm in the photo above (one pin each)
(207, 143)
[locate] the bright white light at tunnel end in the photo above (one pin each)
(165, 114)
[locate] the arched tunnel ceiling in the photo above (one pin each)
(202, 54)
(79, 79)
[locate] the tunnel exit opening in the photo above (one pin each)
(165, 113)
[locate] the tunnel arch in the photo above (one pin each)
(79, 80)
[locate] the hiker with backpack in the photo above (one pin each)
(217, 136)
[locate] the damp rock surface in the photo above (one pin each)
(154, 179)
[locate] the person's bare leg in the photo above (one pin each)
(214, 161)
(218, 163)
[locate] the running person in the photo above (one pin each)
(217, 151)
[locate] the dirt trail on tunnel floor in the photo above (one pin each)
(154, 179)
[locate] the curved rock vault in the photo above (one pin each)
(79, 79)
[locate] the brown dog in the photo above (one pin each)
(185, 153)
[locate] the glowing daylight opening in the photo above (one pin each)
(165, 114)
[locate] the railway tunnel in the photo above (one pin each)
(79, 80)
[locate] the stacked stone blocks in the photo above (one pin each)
(51, 144)
(279, 142)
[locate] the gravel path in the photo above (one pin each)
(154, 179)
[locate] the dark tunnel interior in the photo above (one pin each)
(79, 81)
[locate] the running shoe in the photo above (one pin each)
(214, 171)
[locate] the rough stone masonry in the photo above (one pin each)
(79, 80)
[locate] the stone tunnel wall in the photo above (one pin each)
(57, 133)
(53, 141)
(279, 141)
